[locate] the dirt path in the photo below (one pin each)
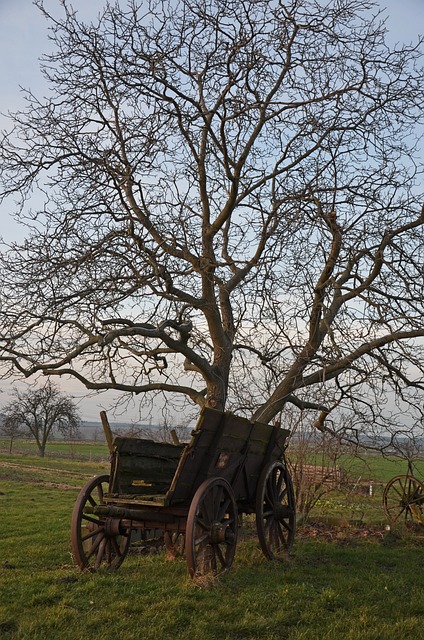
(15, 465)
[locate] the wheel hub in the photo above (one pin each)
(220, 533)
(281, 511)
(113, 527)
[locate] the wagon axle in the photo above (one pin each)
(220, 534)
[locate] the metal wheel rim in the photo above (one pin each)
(211, 533)
(275, 511)
(93, 546)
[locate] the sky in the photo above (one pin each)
(24, 38)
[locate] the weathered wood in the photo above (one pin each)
(230, 447)
(174, 437)
(105, 510)
(222, 445)
(144, 447)
(107, 430)
(319, 475)
(143, 466)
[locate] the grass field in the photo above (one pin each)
(339, 583)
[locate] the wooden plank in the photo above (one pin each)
(107, 430)
(144, 475)
(185, 481)
(143, 466)
(227, 446)
(135, 499)
(146, 448)
(174, 437)
(149, 469)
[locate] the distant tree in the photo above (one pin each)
(233, 210)
(11, 430)
(38, 412)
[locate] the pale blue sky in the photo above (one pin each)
(23, 39)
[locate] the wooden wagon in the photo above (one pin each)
(192, 493)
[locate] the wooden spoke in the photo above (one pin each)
(275, 511)
(94, 544)
(403, 500)
(211, 533)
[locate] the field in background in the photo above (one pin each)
(358, 498)
(360, 467)
(340, 582)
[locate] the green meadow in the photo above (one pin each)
(358, 583)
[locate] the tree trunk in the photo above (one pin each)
(216, 394)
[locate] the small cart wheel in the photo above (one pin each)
(275, 511)
(403, 500)
(97, 541)
(211, 532)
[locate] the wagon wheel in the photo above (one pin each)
(211, 532)
(174, 544)
(97, 541)
(403, 500)
(275, 511)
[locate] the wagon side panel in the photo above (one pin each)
(192, 467)
(143, 467)
(228, 447)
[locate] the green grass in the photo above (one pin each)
(378, 468)
(87, 451)
(73, 460)
(342, 587)
(354, 502)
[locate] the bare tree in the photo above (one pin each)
(11, 430)
(232, 203)
(39, 411)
